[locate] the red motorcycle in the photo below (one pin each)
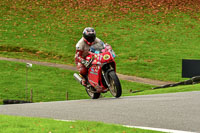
(101, 73)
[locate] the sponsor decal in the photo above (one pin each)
(100, 57)
(94, 73)
(94, 69)
(106, 57)
(87, 58)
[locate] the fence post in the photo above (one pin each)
(31, 95)
(67, 95)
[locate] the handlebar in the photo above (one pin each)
(89, 62)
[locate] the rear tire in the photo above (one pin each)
(92, 94)
(115, 86)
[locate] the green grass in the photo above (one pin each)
(148, 44)
(10, 124)
(153, 44)
(48, 83)
(51, 84)
(157, 51)
(183, 88)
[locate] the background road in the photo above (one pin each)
(178, 111)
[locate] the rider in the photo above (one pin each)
(82, 48)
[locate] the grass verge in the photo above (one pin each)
(48, 83)
(51, 84)
(10, 124)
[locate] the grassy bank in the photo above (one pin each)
(152, 38)
(48, 83)
(51, 84)
(10, 124)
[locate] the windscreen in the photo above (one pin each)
(97, 47)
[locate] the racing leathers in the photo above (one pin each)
(82, 49)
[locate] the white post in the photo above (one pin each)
(26, 89)
(26, 83)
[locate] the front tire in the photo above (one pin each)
(115, 86)
(91, 93)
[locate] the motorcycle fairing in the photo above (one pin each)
(95, 77)
(101, 62)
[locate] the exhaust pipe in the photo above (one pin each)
(78, 78)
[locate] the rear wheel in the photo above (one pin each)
(115, 86)
(91, 93)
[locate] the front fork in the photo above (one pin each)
(105, 75)
(106, 79)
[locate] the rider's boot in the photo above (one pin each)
(84, 83)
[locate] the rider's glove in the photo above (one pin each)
(85, 63)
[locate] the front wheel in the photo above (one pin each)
(115, 86)
(92, 94)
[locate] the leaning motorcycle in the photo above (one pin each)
(101, 76)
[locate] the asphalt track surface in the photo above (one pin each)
(176, 111)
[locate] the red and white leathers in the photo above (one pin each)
(82, 49)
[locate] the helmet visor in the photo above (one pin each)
(91, 38)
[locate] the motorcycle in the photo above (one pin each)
(101, 76)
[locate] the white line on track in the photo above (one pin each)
(147, 128)
(159, 129)
(65, 120)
